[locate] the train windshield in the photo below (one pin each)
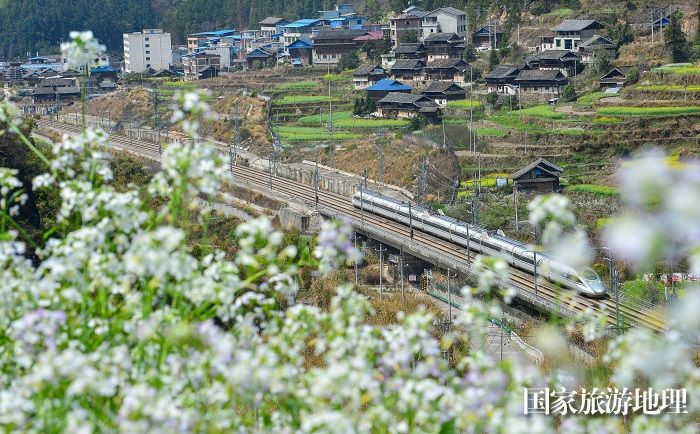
(589, 275)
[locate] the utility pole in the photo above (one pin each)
(381, 267)
(362, 206)
(380, 162)
(472, 145)
(614, 283)
(316, 181)
(651, 14)
(410, 220)
(269, 166)
(449, 297)
(474, 210)
(365, 178)
(534, 255)
(403, 293)
(515, 204)
(469, 257)
(356, 272)
(330, 117)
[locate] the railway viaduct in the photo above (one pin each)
(542, 296)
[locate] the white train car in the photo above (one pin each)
(585, 281)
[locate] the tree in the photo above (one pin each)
(601, 64)
(372, 106)
(569, 93)
(620, 33)
(417, 122)
(367, 106)
(408, 36)
(694, 49)
(469, 53)
(492, 99)
(633, 76)
(675, 38)
(494, 60)
(348, 61)
(357, 107)
(373, 10)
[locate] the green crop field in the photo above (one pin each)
(301, 99)
(679, 69)
(302, 134)
(647, 111)
(599, 190)
(559, 13)
(297, 85)
(540, 111)
(346, 120)
(590, 98)
(491, 132)
(606, 120)
(463, 104)
(667, 88)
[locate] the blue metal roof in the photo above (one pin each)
(225, 32)
(102, 69)
(301, 43)
(389, 85)
(301, 23)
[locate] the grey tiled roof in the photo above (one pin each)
(407, 48)
(539, 75)
(548, 166)
(408, 64)
(502, 71)
(400, 97)
(573, 25)
(364, 69)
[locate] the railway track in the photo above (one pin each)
(631, 316)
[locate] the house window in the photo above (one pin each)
(558, 43)
(538, 172)
(146, 39)
(567, 44)
(148, 52)
(148, 58)
(148, 45)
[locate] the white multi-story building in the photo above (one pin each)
(150, 48)
(444, 20)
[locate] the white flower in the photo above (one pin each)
(81, 51)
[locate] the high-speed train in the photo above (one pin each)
(584, 281)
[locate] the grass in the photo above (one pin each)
(179, 84)
(559, 13)
(679, 69)
(598, 190)
(304, 134)
(647, 111)
(541, 111)
(667, 88)
(487, 181)
(297, 85)
(491, 132)
(302, 99)
(346, 120)
(463, 104)
(590, 98)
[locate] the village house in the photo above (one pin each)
(615, 78)
(441, 92)
(56, 90)
(408, 69)
(569, 34)
(595, 47)
(367, 75)
(203, 39)
(445, 70)
(330, 45)
(541, 176)
(408, 105)
(388, 60)
(374, 35)
(273, 25)
(409, 20)
(201, 65)
(262, 55)
(444, 20)
(568, 62)
(301, 52)
(487, 37)
(298, 29)
(386, 86)
(547, 82)
(443, 46)
(410, 51)
(502, 79)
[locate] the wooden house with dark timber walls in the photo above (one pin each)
(541, 176)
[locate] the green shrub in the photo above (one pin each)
(647, 111)
(599, 190)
